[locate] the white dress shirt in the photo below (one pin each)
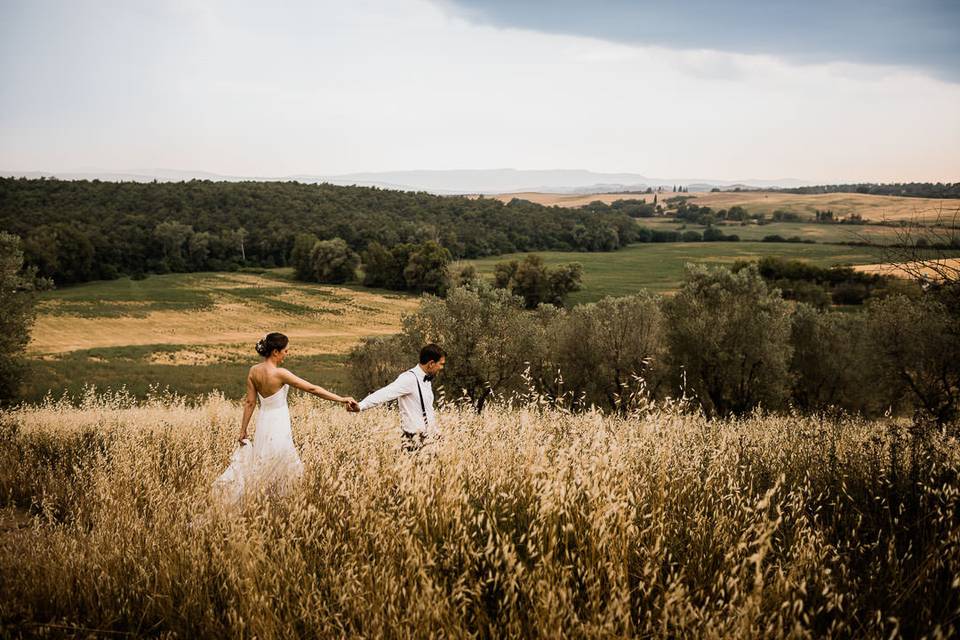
(404, 391)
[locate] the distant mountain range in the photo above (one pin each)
(446, 182)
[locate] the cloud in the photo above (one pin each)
(241, 87)
(921, 34)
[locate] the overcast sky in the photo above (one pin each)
(823, 91)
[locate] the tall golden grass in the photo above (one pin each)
(522, 522)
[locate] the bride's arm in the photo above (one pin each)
(311, 388)
(249, 404)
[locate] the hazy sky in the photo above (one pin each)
(826, 92)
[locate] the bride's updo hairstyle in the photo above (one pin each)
(271, 342)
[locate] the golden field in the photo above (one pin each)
(194, 333)
(218, 313)
(935, 269)
(522, 522)
(871, 207)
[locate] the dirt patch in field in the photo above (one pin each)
(198, 356)
(322, 304)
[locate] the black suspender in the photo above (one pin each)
(423, 406)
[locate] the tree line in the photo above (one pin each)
(76, 231)
(822, 287)
(421, 268)
(427, 268)
(727, 341)
(908, 189)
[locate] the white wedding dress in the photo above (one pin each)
(270, 464)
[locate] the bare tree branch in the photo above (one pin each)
(927, 251)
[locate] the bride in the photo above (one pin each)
(271, 463)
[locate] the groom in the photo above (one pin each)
(414, 394)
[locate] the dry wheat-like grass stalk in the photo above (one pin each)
(522, 522)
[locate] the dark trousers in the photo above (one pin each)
(411, 442)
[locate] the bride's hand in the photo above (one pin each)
(352, 405)
(243, 440)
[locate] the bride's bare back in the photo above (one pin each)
(267, 378)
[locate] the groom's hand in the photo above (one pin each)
(353, 406)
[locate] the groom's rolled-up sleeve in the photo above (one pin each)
(399, 387)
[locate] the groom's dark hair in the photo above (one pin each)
(431, 353)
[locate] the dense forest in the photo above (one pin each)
(75, 231)
(909, 189)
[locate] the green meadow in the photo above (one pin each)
(660, 266)
(821, 233)
(76, 372)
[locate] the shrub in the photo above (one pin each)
(729, 334)
(16, 314)
(603, 348)
(333, 262)
(536, 283)
(850, 293)
(918, 346)
(832, 363)
(426, 270)
(488, 337)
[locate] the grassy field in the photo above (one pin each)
(521, 522)
(143, 371)
(660, 266)
(823, 233)
(195, 332)
(875, 208)
(212, 309)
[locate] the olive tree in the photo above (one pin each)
(918, 346)
(729, 334)
(535, 282)
(300, 255)
(17, 286)
(488, 336)
(332, 261)
(833, 363)
(377, 360)
(604, 347)
(426, 270)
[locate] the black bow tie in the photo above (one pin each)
(428, 377)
